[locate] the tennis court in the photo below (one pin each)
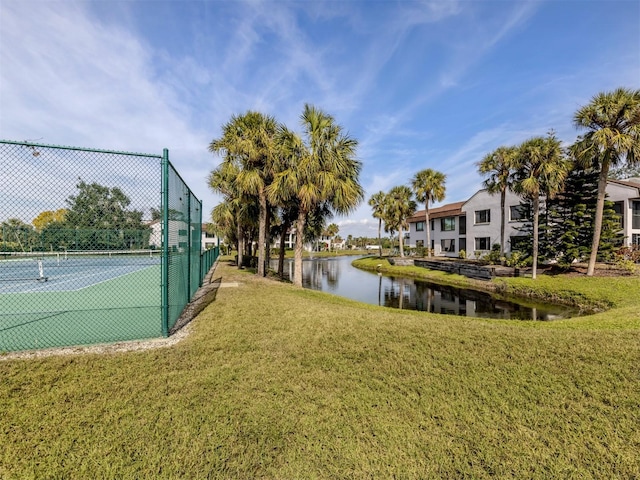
(96, 246)
(75, 298)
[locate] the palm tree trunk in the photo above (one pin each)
(536, 216)
(297, 268)
(285, 228)
(379, 239)
(262, 233)
(503, 195)
(240, 243)
(400, 242)
(597, 221)
(427, 227)
(267, 240)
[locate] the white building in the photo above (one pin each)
(474, 225)
(179, 235)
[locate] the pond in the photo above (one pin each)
(336, 275)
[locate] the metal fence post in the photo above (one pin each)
(165, 243)
(189, 247)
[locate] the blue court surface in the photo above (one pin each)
(59, 272)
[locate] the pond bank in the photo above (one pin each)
(575, 292)
(467, 269)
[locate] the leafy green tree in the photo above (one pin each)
(16, 235)
(499, 168)
(377, 202)
(541, 171)
(612, 122)
(248, 141)
(102, 218)
(47, 217)
(399, 207)
(429, 187)
(319, 168)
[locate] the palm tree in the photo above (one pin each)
(428, 187)
(612, 121)
(499, 167)
(377, 203)
(541, 170)
(331, 231)
(399, 208)
(249, 141)
(233, 213)
(288, 214)
(321, 169)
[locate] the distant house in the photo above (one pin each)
(322, 243)
(209, 240)
(474, 225)
(179, 235)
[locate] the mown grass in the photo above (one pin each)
(280, 382)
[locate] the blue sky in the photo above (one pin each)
(420, 84)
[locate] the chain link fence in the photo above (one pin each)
(95, 246)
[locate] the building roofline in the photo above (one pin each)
(448, 210)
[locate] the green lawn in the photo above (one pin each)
(280, 382)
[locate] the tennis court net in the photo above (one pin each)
(38, 266)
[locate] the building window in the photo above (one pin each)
(618, 208)
(519, 213)
(419, 226)
(447, 224)
(635, 215)
(483, 243)
(433, 222)
(463, 244)
(448, 245)
(462, 225)
(635, 239)
(483, 216)
(519, 243)
(419, 243)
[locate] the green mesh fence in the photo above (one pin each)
(95, 246)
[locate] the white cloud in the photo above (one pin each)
(69, 79)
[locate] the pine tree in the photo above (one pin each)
(566, 222)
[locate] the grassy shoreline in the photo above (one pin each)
(280, 382)
(593, 294)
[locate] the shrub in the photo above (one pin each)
(494, 255)
(517, 259)
(631, 253)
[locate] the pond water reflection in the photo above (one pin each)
(336, 275)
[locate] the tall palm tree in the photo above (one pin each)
(400, 206)
(377, 204)
(331, 231)
(428, 187)
(541, 170)
(612, 121)
(499, 167)
(321, 169)
(249, 141)
(233, 213)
